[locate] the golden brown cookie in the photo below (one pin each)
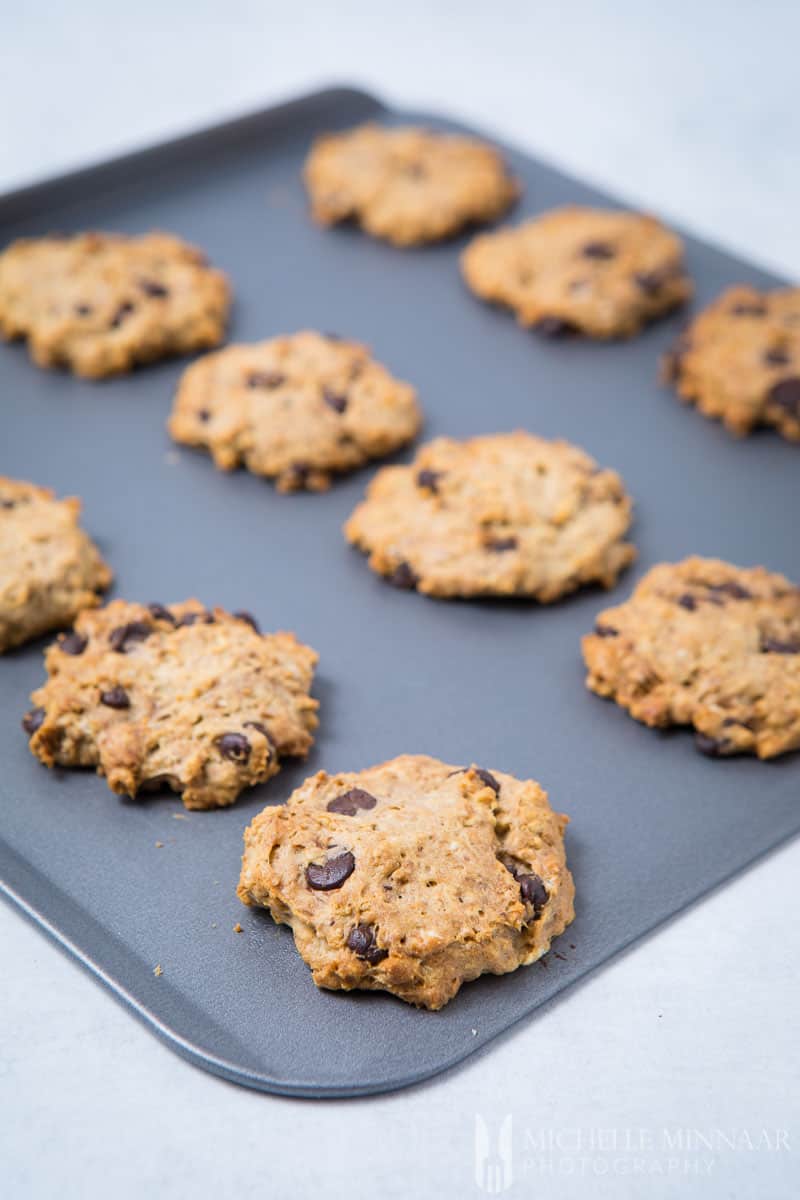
(300, 409)
(412, 877)
(406, 185)
(100, 303)
(197, 701)
(704, 643)
(509, 514)
(49, 568)
(601, 273)
(739, 361)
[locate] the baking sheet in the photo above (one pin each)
(654, 824)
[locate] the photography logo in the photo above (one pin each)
(493, 1164)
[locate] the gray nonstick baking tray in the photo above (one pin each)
(654, 824)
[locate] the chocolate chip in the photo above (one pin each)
(124, 310)
(498, 545)
(748, 310)
(650, 282)
(83, 310)
(73, 643)
(711, 747)
(161, 613)
(262, 729)
(191, 618)
(403, 577)
(8, 504)
(732, 589)
(554, 327)
(531, 887)
(327, 876)
(300, 473)
(203, 415)
(775, 646)
(361, 940)
(334, 400)
(234, 746)
(488, 778)
(115, 697)
(33, 720)
(151, 288)
(349, 803)
(687, 601)
(777, 357)
(125, 635)
(605, 630)
(265, 379)
(429, 479)
(249, 619)
(598, 250)
(786, 395)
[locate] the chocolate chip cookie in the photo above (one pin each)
(603, 274)
(509, 514)
(174, 696)
(707, 644)
(412, 877)
(739, 361)
(298, 408)
(406, 185)
(49, 568)
(99, 303)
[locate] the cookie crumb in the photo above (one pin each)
(157, 971)
(237, 928)
(159, 845)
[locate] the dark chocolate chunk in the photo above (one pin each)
(499, 544)
(429, 479)
(711, 747)
(161, 613)
(361, 940)
(204, 415)
(554, 327)
(605, 630)
(327, 876)
(349, 803)
(191, 618)
(265, 379)
(771, 645)
(334, 400)
(125, 636)
(687, 601)
(73, 643)
(488, 778)
(786, 395)
(151, 287)
(777, 357)
(83, 310)
(732, 589)
(531, 887)
(124, 310)
(403, 576)
(598, 250)
(248, 618)
(234, 746)
(33, 720)
(115, 697)
(749, 310)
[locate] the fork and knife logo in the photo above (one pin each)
(494, 1171)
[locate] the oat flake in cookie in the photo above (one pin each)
(49, 568)
(581, 270)
(298, 409)
(739, 361)
(174, 696)
(406, 185)
(412, 877)
(509, 514)
(708, 644)
(100, 303)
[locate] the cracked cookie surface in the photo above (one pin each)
(739, 361)
(49, 567)
(601, 273)
(299, 409)
(181, 697)
(509, 514)
(708, 644)
(412, 877)
(406, 185)
(101, 303)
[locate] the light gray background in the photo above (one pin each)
(691, 110)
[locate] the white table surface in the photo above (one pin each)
(690, 109)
